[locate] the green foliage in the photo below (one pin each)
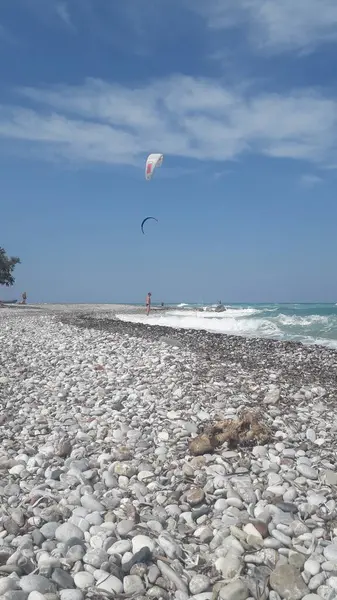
(7, 266)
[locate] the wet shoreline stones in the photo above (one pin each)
(100, 495)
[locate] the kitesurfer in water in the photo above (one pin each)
(148, 303)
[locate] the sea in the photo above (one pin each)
(306, 323)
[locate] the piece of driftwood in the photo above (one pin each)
(248, 430)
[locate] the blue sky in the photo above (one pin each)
(241, 98)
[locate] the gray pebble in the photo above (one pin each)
(38, 583)
(199, 584)
(71, 595)
(48, 530)
(133, 584)
(65, 532)
(84, 580)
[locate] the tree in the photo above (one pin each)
(7, 266)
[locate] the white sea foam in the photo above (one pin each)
(207, 322)
(250, 321)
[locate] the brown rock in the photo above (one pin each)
(195, 496)
(200, 445)
(261, 527)
(63, 448)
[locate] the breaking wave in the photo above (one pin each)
(306, 323)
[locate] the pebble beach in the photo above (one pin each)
(102, 492)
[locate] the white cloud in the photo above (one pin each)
(180, 116)
(63, 13)
(275, 25)
(310, 180)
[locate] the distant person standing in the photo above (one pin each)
(148, 303)
(24, 298)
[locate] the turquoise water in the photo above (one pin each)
(306, 323)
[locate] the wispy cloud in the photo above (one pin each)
(275, 25)
(62, 11)
(309, 180)
(220, 174)
(181, 116)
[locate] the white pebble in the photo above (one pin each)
(142, 541)
(312, 567)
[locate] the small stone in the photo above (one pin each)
(124, 527)
(229, 565)
(36, 596)
(120, 547)
(153, 574)
(250, 529)
(287, 507)
(296, 559)
(237, 590)
(159, 594)
(142, 541)
(310, 435)
(329, 566)
(11, 526)
(48, 529)
(316, 499)
(330, 552)
(195, 496)
(7, 584)
(272, 396)
(5, 553)
(63, 448)
(307, 471)
(75, 553)
(62, 579)
(170, 548)
(325, 593)
(91, 503)
(312, 567)
(110, 584)
(84, 580)
(95, 558)
(124, 469)
(318, 580)
(133, 584)
(286, 580)
(66, 531)
(16, 470)
(262, 528)
(330, 477)
(199, 445)
(281, 537)
(204, 533)
(173, 415)
(71, 595)
(170, 574)
(199, 584)
(36, 583)
(332, 582)
(143, 556)
(16, 595)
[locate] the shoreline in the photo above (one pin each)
(167, 317)
(214, 346)
(246, 350)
